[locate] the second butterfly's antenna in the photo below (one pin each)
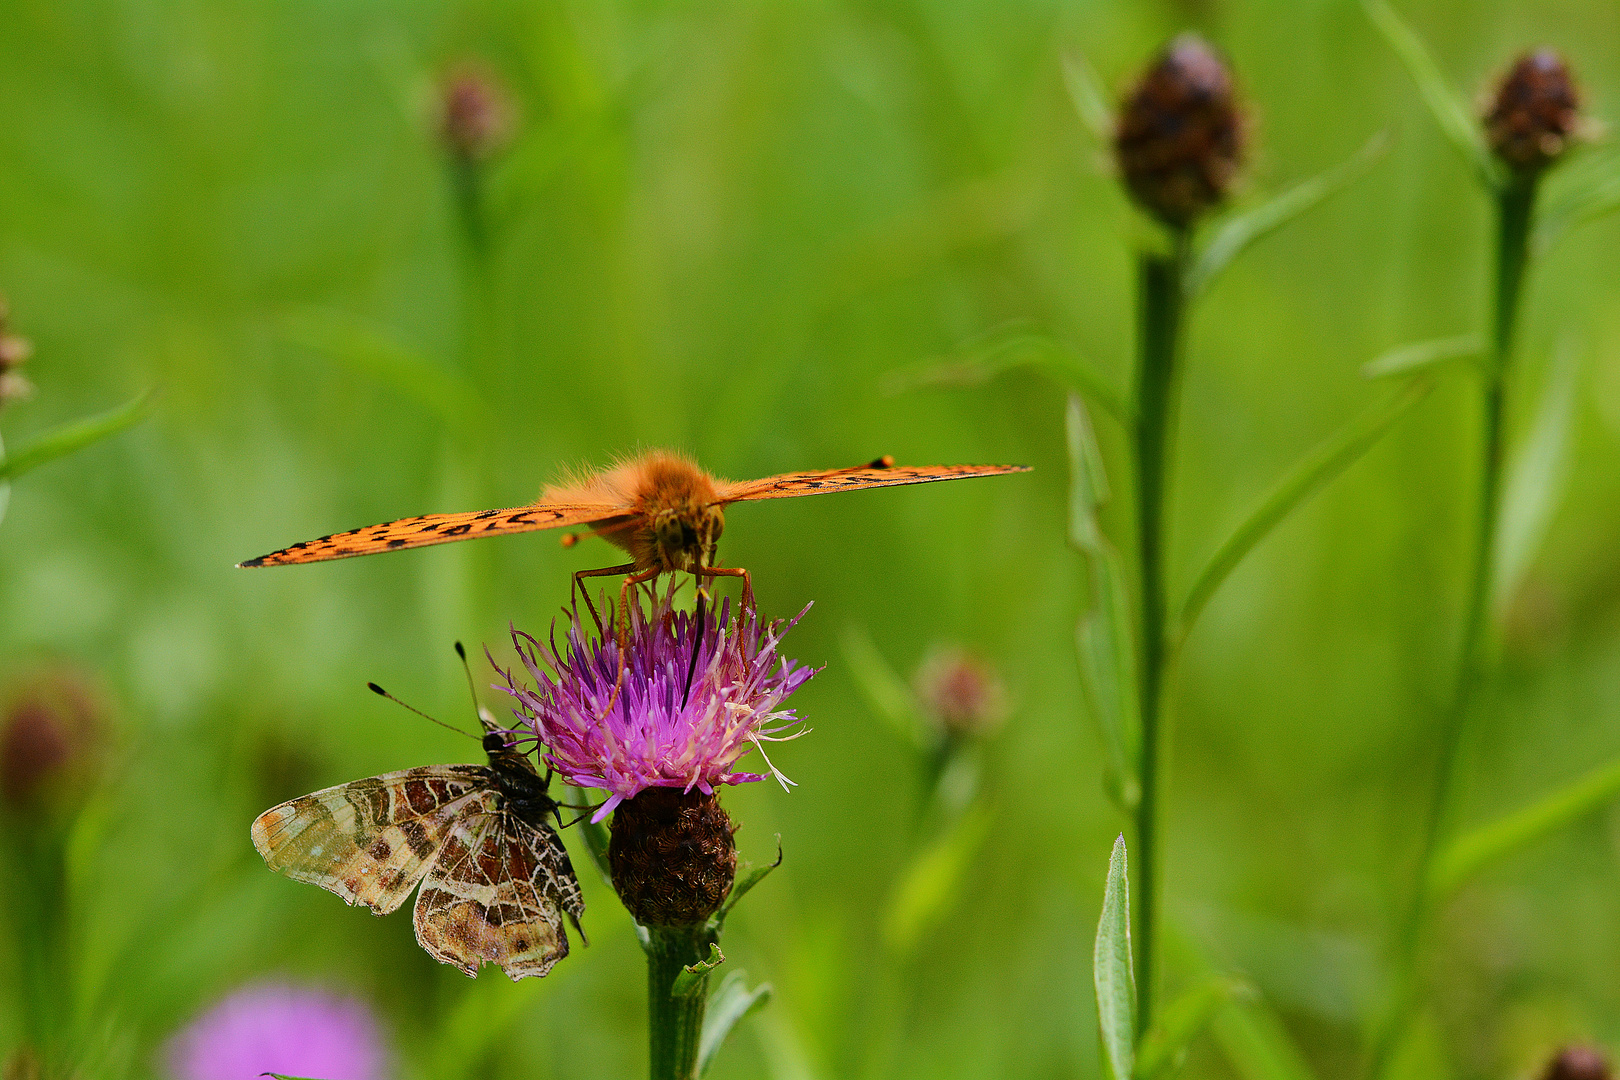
(379, 691)
(484, 719)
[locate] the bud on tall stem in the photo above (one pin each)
(1535, 114)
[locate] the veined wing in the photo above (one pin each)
(428, 529)
(791, 485)
(497, 894)
(370, 841)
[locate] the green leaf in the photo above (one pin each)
(1423, 356)
(1086, 92)
(1586, 202)
(1536, 479)
(1111, 969)
(694, 977)
(1183, 1021)
(752, 878)
(71, 437)
(1307, 478)
(1470, 853)
(932, 883)
(372, 351)
(889, 695)
(1255, 1043)
(1456, 122)
(727, 1005)
(1103, 643)
(1243, 229)
(1009, 348)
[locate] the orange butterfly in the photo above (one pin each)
(660, 507)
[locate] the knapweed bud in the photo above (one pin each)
(49, 737)
(1535, 114)
(13, 351)
(476, 116)
(672, 856)
(1578, 1063)
(961, 691)
(1180, 136)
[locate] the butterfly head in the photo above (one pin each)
(684, 537)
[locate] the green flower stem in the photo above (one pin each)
(1515, 208)
(1162, 303)
(675, 1020)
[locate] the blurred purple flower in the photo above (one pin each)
(276, 1027)
(658, 732)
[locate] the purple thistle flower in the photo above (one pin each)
(276, 1027)
(660, 732)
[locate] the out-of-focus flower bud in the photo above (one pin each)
(13, 351)
(1578, 1063)
(961, 691)
(1180, 136)
(50, 736)
(1535, 115)
(476, 114)
(672, 856)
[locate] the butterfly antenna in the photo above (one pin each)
(380, 692)
(472, 688)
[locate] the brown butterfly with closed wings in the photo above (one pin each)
(660, 507)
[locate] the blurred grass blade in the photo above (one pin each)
(931, 885)
(1245, 228)
(1009, 348)
(1308, 477)
(727, 1005)
(371, 351)
(1086, 92)
(1455, 120)
(481, 1018)
(1103, 642)
(1473, 851)
(1255, 1044)
(1111, 969)
(1423, 356)
(753, 877)
(1586, 203)
(1537, 476)
(70, 437)
(596, 837)
(889, 695)
(1183, 1021)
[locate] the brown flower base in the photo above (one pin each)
(672, 856)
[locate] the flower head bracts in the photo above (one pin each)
(672, 722)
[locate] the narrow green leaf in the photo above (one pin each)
(889, 695)
(749, 880)
(694, 977)
(1243, 229)
(1086, 92)
(1256, 1045)
(1308, 477)
(1585, 203)
(1470, 853)
(727, 1005)
(1111, 969)
(1423, 356)
(595, 834)
(1183, 1021)
(1103, 643)
(932, 883)
(1009, 348)
(374, 352)
(1536, 479)
(1455, 120)
(72, 436)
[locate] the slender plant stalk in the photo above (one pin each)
(674, 1021)
(1515, 211)
(1161, 307)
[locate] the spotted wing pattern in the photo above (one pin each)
(371, 841)
(791, 485)
(428, 529)
(497, 894)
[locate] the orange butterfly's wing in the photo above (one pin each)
(790, 485)
(439, 529)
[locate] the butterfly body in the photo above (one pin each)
(495, 877)
(673, 518)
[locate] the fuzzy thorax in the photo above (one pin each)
(675, 518)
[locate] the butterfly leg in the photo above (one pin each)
(622, 618)
(579, 583)
(733, 571)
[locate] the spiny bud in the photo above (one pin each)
(476, 113)
(1577, 1063)
(961, 691)
(1536, 112)
(13, 351)
(672, 856)
(1180, 136)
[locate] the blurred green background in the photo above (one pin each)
(718, 226)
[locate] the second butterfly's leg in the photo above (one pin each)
(579, 583)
